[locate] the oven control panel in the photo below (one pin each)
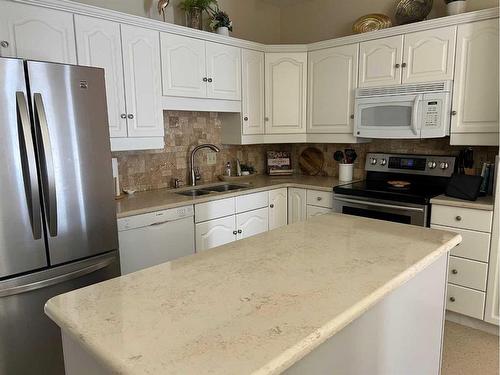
(442, 166)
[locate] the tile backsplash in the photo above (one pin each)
(150, 170)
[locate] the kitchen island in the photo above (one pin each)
(335, 294)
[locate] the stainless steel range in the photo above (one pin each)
(397, 188)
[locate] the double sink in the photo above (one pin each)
(196, 192)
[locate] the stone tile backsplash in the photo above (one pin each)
(156, 169)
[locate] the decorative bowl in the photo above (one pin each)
(371, 22)
(408, 11)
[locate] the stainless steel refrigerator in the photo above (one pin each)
(57, 213)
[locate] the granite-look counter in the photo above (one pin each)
(482, 203)
(255, 306)
(156, 200)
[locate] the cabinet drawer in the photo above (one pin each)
(468, 273)
(474, 245)
(320, 198)
(465, 301)
(313, 211)
(465, 218)
(213, 210)
(251, 202)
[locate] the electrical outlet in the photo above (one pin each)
(211, 158)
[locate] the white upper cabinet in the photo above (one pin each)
(99, 45)
(286, 90)
(223, 71)
(278, 208)
(37, 33)
(333, 77)
(475, 92)
(429, 55)
(252, 98)
(183, 66)
(380, 62)
(141, 65)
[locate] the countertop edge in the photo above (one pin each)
(460, 203)
(303, 347)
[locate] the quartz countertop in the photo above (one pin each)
(482, 203)
(255, 306)
(155, 200)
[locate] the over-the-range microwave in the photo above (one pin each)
(410, 111)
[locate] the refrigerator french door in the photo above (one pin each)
(57, 212)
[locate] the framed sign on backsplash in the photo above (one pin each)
(279, 163)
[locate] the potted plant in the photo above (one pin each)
(194, 11)
(220, 23)
(455, 6)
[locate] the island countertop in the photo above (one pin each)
(255, 306)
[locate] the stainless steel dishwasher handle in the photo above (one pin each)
(382, 205)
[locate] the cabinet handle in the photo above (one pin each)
(403, 65)
(4, 43)
(453, 113)
(245, 118)
(205, 79)
(131, 117)
(272, 206)
(235, 232)
(210, 80)
(123, 115)
(397, 66)
(458, 218)
(452, 299)
(454, 272)
(240, 231)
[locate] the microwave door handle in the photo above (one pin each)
(414, 119)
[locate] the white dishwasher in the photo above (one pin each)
(154, 238)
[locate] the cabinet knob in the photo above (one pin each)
(131, 117)
(266, 118)
(210, 80)
(240, 231)
(458, 218)
(235, 232)
(205, 79)
(397, 66)
(403, 65)
(319, 199)
(454, 272)
(352, 116)
(452, 299)
(272, 206)
(4, 43)
(453, 113)
(123, 115)
(245, 118)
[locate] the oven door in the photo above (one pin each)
(405, 213)
(388, 117)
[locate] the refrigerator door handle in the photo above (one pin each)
(28, 165)
(47, 166)
(24, 288)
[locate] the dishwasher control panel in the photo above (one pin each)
(155, 218)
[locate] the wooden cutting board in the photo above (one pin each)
(311, 161)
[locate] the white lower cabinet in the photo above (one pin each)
(278, 208)
(215, 233)
(465, 301)
(251, 223)
(297, 205)
(313, 211)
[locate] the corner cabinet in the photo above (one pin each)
(475, 119)
(286, 93)
(332, 79)
(252, 98)
(37, 33)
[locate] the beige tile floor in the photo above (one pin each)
(469, 351)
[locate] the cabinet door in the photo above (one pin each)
(380, 62)
(286, 90)
(278, 208)
(429, 55)
(183, 66)
(98, 44)
(252, 99)
(475, 92)
(215, 233)
(252, 223)
(333, 76)
(313, 211)
(141, 66)
(36, 33)
(296, 205)
(223, 71)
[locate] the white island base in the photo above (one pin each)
(401, 334)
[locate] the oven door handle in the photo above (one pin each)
(382, 205)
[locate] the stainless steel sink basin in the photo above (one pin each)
(226, 187)
(194, 192)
